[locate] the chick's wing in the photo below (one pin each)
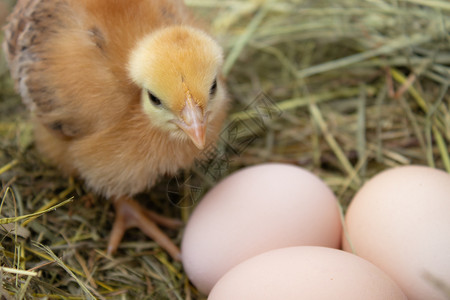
(65, 68)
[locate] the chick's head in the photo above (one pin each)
(177, 69)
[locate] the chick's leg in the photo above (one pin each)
(130, 214)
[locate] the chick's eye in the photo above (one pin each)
(155, 100)
(213, 88)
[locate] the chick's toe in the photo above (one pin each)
(131, 214)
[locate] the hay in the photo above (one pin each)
(349, 88)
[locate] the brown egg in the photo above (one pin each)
(400, 221)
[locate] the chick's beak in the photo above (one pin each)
(193, 122)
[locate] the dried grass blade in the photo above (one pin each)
(431, 3)
(395, 45)
(318, 118)
(52, 202)
(46, 257)
(402, 79)
(33, 215)
(243, 40)
(361, 130)
(17, 271)
(23, 288)
(8, 166)
(66, 268)
(443, 148)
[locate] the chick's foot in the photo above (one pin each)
(131, 214)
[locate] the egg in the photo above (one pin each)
(400, 221)
(306, 272)
(254, 210)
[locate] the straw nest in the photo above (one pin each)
(349, 88)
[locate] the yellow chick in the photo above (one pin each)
(121, 92)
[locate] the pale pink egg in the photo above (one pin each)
(312, 273)
(400, 221)
(254, 210)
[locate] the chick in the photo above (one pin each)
(120, 92)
